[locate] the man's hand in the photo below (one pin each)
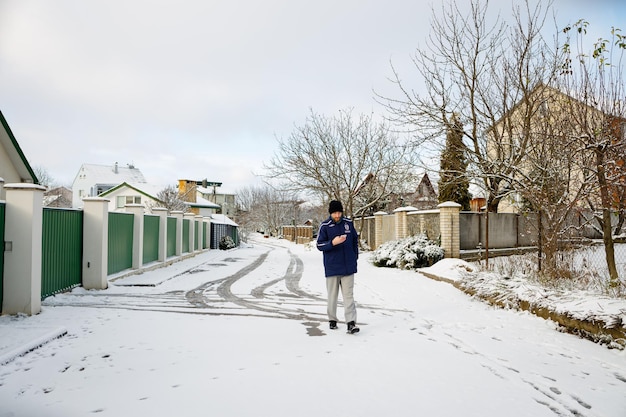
(338, 240)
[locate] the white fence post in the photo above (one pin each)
(192, 229)
(137, 211)
(95, 243)
(22, 256)
(198, 221)
(179, 231)
(162, 213)
(206, 223)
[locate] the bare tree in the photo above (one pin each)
(552, 179)
(596, 82)
(43, 176)
(170, 199)
(331, 157)
(266, 209)
(481, 72)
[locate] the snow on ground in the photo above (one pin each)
(244, 333)
(578, 304)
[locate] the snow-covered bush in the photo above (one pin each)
(410, 253)
(226, 242)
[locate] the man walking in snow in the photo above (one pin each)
(338, 240)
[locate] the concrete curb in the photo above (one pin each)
(20, 340)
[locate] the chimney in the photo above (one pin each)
(115, 168)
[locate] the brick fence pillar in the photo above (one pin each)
(402, 225)
(378, 229)
(449, 228)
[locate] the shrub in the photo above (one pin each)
(226, 242)
(410, 253)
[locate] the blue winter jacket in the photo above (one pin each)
(340, 259)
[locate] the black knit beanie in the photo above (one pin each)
(335, 206)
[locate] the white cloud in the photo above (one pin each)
(122, 80)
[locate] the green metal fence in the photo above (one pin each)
(185, 235)
(61, 250)
(196, 234)
(150, 238)
(120, 242)
(2, 205)
(171, 236)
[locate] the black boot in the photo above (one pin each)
(333, 324)
(352, 328)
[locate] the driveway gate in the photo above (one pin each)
(61, 250)
(2, 205)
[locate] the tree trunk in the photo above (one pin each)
(609, 250)
(620, 223)
(607, 235)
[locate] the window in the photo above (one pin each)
(122, 200)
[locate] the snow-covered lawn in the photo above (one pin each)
(581, 307)
(243, 333)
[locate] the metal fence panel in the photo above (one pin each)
(196, 233)
(185, 235)
(61, 250)
(150, 238)
(120, 242)
(171, 236)
(217, 231)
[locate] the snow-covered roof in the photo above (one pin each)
(112, 174)
(49, 199)
(209, 190)
(204, 203)
(222, 219)
(145, 189)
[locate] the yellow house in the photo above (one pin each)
(546, 136)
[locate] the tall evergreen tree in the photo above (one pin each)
(453, 181)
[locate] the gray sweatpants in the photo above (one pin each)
(346, 283)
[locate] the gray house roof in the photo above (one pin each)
(15, 154)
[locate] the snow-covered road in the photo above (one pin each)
(244, 333)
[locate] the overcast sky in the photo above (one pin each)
(202, 88)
